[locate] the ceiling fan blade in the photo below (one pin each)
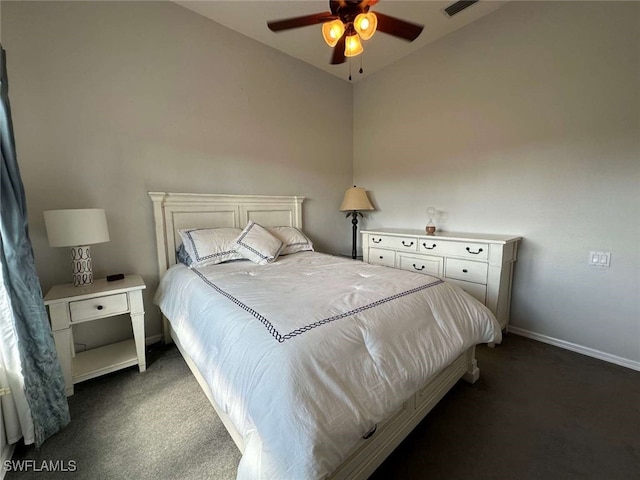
(398, 28)
(296, 22)
(334, 5)
(338, 51)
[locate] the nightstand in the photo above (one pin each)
(69, 305)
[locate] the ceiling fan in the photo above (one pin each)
(347, 24)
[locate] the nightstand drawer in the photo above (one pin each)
(466, 270)
(93, 308)
(410, 244)
(379, 256)
(426, 264)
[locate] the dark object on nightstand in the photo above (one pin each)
(115, 276)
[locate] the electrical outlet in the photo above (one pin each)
(600, 259)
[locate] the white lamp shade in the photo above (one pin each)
(355, 199)
(69, 228)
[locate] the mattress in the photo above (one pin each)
(307, 354)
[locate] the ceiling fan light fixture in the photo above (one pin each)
(366, 24)
(332, 31)
(353, 46)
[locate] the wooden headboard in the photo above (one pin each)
(174, 211)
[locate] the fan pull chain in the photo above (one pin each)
(361, 71)
(349, 68)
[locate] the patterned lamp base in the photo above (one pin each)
(81, 265)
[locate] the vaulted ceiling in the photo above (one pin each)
(250, 18)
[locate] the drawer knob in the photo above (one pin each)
(381, 257)
(376, 241)
(464, 270)
(409, 245)
(419, 269)
(99, 307)
(474, 253)
(428, 248)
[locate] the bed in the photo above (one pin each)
(318, 366)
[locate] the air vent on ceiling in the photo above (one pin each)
(457, 7)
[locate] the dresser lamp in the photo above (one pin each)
(77, 228)
(355, 201)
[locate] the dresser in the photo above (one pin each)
(482, 265)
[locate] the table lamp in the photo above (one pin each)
(355, 200)
(77, 228)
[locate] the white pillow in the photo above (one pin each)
(257, 244)
(210, 246)
(294, 240)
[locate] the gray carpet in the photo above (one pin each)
(537, 412)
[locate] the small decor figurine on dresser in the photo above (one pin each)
(431, 227)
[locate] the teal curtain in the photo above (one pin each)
(42, 375)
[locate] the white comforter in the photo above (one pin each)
(307, 354)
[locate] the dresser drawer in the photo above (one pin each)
(426, 264)
(409, 244)
(92, 308)
(466, 270)
(470, 250)
(379, 256)
(476, 290)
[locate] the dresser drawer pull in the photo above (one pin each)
(430, 248)
(464, 270)
(474, 253)
(410, 245)
(376, 241)
(371, 432)
(419, 269)
(99, 307)
(381, 257)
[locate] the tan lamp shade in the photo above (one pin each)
(355, 199)
(69, 228)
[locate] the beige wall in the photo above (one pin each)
(526, 123)
(111, 100)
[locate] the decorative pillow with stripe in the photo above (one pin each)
(210, 246)
(182, 256)
(257, 244)
(293, 239)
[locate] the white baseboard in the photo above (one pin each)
(590, 352)
(150, 341)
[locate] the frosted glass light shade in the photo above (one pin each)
(353, 46)
(69, 228)
(355, 199)
(366, 24)
(332, 31)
